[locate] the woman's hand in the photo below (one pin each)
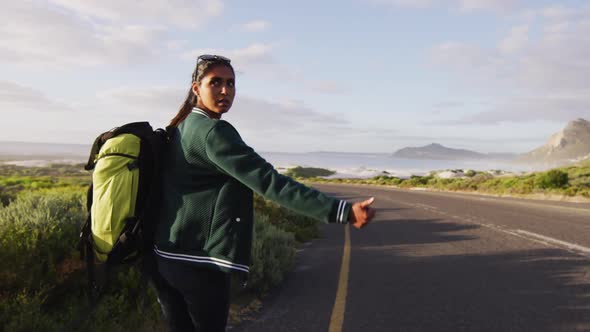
(361, 213)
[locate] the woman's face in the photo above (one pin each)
(217, 89)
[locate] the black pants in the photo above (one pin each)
(192, 298)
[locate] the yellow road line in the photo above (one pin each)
(337, 318)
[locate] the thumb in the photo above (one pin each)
(367, 202)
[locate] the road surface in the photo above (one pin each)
(440, 262)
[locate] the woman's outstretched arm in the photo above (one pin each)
(226, 149)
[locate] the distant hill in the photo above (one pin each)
(569, 145)
(437, 151)
(42, 151)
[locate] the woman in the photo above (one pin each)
(205, 230)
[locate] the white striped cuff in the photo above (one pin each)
(340, 212)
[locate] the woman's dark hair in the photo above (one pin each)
(201, 69)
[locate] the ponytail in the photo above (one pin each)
(185, 109)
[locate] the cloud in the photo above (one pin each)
(257, 60)
(516, 40)
(406, 3)
(555, 12)
(500, 6)
(256, 26)
(251, 55)
(189, 14)
(494, 5)
(90, 33)
(551, 68)
(327, 87)
(561, 109)
(284, 116)
(449, 104)
(16, 97)
(292, 126)
(147, 101)
(470, 60)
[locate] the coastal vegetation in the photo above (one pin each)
(43, 281)
(308, 172)
(566, 181)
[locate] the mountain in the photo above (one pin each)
(568, 145)
(437, 151)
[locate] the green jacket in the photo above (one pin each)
(207, 215)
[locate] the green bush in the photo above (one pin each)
(23, 312)
(416, 181)
(308, 172)
(481, 177)
(273, 251)
(129, 304)
(572, 191)
(37, 231)
(552, 179)
(304, 228)
(521, 186)
(6, 197)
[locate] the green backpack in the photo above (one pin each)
(122, 198)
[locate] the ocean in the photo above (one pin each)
(344, 164)
(367, 165)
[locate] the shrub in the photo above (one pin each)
(308, 172)
(523, 186)
(552, 179)
(273, 251)
(481, 177)
(304, 228)
(22, 312)
(416, 180)
(6, 197)
(129, 304)
(36, 232)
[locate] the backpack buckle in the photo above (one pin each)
(133, 165)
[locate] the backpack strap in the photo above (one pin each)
(140, 129)
(85, 232)
(85, 242)
(98, 143)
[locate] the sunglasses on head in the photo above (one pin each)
(211, 57)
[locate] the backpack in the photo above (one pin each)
(122, 198)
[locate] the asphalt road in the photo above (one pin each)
(442, 262)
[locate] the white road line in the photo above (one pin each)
(526, 235)
(542, 239)
(568, 245)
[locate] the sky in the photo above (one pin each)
(347, 76)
